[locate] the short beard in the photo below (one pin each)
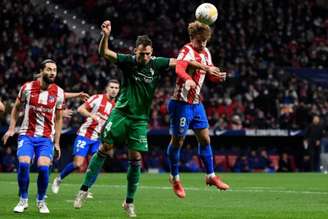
(47, 80)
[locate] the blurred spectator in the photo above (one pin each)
(312, 140)
(8, 160)
(284, 163)
(189, 160)
(241, 164)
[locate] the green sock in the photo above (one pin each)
(94, 168)
(133, 177)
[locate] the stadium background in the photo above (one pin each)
(275, 52)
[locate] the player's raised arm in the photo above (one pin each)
(103, 48)
(13, 119)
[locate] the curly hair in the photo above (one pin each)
(197, 28)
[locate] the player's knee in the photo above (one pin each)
(44, 161)
(78, 163)
(134, 155)
(135, 163)
(105, 148)
(24, 159)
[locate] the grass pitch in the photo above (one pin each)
(295, 195)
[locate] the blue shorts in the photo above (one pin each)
(83, 146)
(35, 146)
(184, 116)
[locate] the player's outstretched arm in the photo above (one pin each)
(13, 119)
(2, 107)
(83, 96)
(173, 62)
(214, 72)
(103, 48)
(83, 110)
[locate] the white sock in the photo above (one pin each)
(176, 178)
(210, 175)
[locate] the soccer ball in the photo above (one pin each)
(206, 13)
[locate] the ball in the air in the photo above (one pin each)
(206, 13)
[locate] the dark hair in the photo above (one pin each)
(113, 81)
(197, 28)
(144, 40)
(44, 62)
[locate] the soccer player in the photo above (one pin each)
(185, 107)
(43, 103)
(96, 110)
(128, 121)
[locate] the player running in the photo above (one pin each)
(96, 110)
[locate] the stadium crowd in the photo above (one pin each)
(254, 41)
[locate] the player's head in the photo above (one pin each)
(112, 88)
(144, 49)
(48, 70)
(199, 34)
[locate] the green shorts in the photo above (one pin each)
(119, 129)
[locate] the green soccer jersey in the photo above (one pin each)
(139, 84)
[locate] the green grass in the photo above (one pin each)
(252, 196)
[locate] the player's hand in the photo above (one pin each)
(218, 74)
(67, 113)
(84, 96)
(7, 135)
(58, 151)
(213, 70)
(106, 27)
(190, 84)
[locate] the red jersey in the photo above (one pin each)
(96, 104)
(187, 53)
(40, 108)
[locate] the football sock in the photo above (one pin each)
(94, 168)
(69, 168)
(173, 154)
(43, 180)
(206, 155)
(23, 178)
(133, 177)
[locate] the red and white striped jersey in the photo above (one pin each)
(96, 104)
(187, 53)
(40, 108)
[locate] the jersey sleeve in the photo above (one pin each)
(162, 62)
(185, 54)
(60, 100)
(90, 103)
(23, 93)
(209, 57)
(124, 59)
